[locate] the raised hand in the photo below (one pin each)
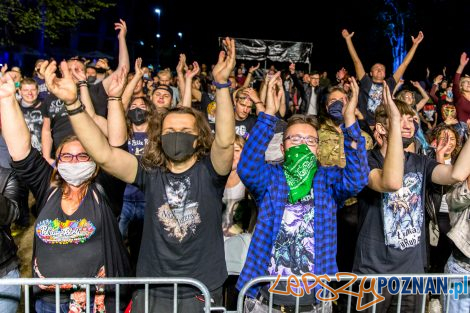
(349, 107)
(444, 144)
(102, 63)
(418, 38)
(63, 88)
(438, 79)
(346, 34)
(4, 68)
(77, 72)
(253, 68)
(138, 67)
(182, 66)
(415, 84)
(341, 74)
(7, 89)
(463, 59)
(273, 101)
(389, 104)
(122, 27)
(226, 62)
(191, 73)
(118, 82)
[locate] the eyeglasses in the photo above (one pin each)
(297, 140)
(68, 157)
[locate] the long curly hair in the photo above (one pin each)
(153, 153)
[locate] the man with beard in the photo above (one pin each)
(183, 173)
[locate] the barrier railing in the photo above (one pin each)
(452, 279)
(87, 282)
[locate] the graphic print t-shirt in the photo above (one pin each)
(34, 118)
(182, 236)
(136, 145)
(370, 96)
(293, 250)
(243, 128)
(392, 235)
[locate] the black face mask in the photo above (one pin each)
(178, 146)
(91, 79)
(407, 141)
(137, 116)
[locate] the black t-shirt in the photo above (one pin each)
(392, 228)
(208, 106)
(57, 113)
(370, 96)
(243, 128)
(34, 118)
(182, 236)
(66, 245)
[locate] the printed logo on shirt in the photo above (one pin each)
(375, 97)
(34, 121)
(64, 233)
(403, 213)
(179, 216)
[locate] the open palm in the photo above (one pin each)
(63, 88)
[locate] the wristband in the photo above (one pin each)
(258, 102)
(220, 86)
(114, 98)
(82, 82)
(80, 109)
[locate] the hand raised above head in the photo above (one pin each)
(122, 27)
(194, 71)
(418, 38)
(63, 88)
(463, 59)
(226, 62)
(7, 88)
(346, 34)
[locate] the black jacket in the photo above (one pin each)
(9, 212)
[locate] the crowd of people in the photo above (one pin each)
(231, 173)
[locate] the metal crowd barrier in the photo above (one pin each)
(26, 282)
(271, 279)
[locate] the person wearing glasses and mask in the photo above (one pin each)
(76, 232)
(298, 201)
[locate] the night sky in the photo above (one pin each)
(444, 23)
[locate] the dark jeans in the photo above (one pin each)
(165, 305)
(42, 306)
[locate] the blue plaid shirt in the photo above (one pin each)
(267, 183)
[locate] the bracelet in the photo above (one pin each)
(114, 98)
(220, 86)
(258, 102)
(80, 109)
(82, 83)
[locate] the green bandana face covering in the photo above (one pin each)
(300, 166)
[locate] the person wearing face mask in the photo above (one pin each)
(182, 173)
(392, 236)
(76, 232)
(132, 214)
(298, 201)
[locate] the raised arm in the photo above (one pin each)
(424, 95)
(253, 95)
(129, 90)
(115, 161)
(249, 76)
(355, 174)
(451, 174)
(116, 123)
(463, 63)
(123, 53)
(85, 98)
(46, 140)
(14, 129)
(180, 68)
(282, 97)
(222, 148)
(432, 93)
(187, 91)
(390, 178)
(409, 56)
(359, 68)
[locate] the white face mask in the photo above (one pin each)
(76, 173)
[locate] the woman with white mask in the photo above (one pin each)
(76, 232)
